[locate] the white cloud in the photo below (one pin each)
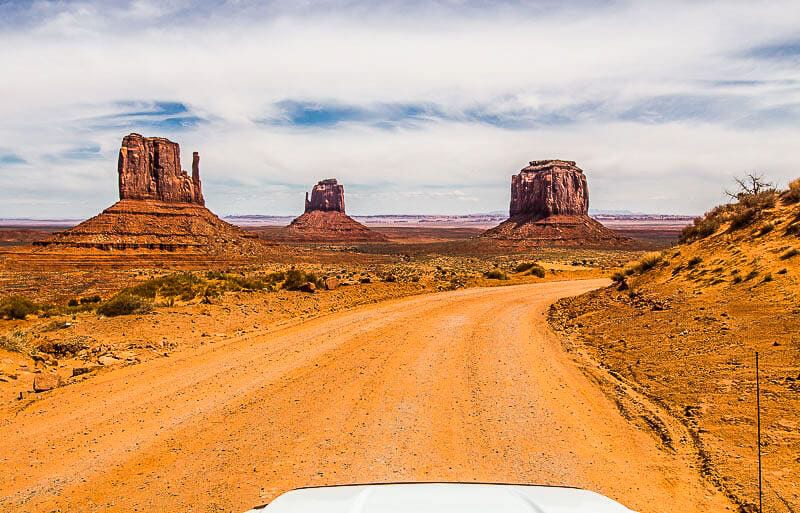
(73, 63)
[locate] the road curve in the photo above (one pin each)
(459, 386)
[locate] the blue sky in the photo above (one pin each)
(417, 107)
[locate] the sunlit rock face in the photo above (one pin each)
(549, 187)
(150, 169)
(550, 207)
(326, 196)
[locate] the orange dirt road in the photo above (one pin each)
(468, 385)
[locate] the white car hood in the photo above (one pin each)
(441, 498)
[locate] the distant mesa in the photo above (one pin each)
(150, 169)
(326, 196)
(550, 206)
(161, 208)
(325, 220)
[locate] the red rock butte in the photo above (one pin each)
(161, 208)
(550, 207)
(324, 219)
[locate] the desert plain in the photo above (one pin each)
(145, 366)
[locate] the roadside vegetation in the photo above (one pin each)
(752, 197)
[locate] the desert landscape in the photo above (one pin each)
(250, 248)
(156, 342)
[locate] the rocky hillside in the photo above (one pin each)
(681, 328)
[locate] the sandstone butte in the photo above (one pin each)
(550, 206)
(325, 220)
(160, 208)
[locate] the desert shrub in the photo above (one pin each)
(391, 278)
(524, 266)
(789, 253)
(767, 278)
(531, 268)
(90, 300)
(125, 303)
(792, 194)
(701, 228)
(743, 217)
(296, 278)
(246, 283)
(618, 277)
(17, 307)
(693, 262)
(752, 274)
(537, 271)
(183, 285)
(16, 342)
(736, 279)
(753, 195)
(648, 261)
(73, 302)
(766, 229)
(759, 201)
(783, 271)
(496, 274)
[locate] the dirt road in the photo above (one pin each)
(462, 386)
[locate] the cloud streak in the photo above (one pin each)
(407, 100)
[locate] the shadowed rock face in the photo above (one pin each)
(150, 169)
(326, 196)
(549, 187)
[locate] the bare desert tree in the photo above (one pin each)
(752, 184)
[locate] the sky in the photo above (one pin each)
(415, 106)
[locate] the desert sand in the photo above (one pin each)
(464, 385)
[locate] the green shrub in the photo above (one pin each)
(184, 285)
(125, 303)
(537, 271)
(17, 307)
(496, 274)
(524, 266)
(531, 268)
(296, 278)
